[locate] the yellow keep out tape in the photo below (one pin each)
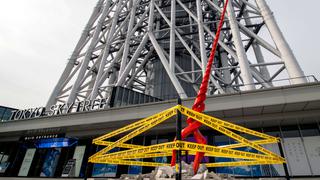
(132, 151)
(149, 151)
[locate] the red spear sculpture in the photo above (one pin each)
(199, 106)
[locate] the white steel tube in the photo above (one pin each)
(173, 36)
(201, 37)
(143, 63)
(132, 62)
(106, 51)
(242, 57)
(294, 70)
(85, 62)
(257, 51)
(226, 72)
(151, 16)
(52, 100)
(128, 38)
(260, 60)
(165, 64)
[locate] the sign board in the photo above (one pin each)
(26, 163)
(56, 142)
(78, 156)
(4, 166)
(105, 170)
(50, 162)
(296, 157)
(87, 105)
(69, 169)
(312, 146)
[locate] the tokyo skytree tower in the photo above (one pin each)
(160, 48)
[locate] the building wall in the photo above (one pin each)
(291, 113)
(301, 146)
(300, 143)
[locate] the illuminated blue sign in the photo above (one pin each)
(56, 142)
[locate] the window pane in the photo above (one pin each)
(7, 114)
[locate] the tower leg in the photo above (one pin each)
(201, 37)
(294, 70)
(226, 72)
(243, 59)
(59, 86)
(257, 50)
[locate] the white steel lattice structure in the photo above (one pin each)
(160, 48)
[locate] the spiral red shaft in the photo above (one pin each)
(199, 105)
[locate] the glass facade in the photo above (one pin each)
(122, 97)
(5, 113)
(301, 148)
(300, 145)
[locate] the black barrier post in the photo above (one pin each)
(178, 135)
(284, 164)
(187, 156)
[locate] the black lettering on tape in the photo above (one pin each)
(209, 148)
(191, 146)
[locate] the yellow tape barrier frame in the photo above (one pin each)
(133, 152)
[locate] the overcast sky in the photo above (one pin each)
(38, 36)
